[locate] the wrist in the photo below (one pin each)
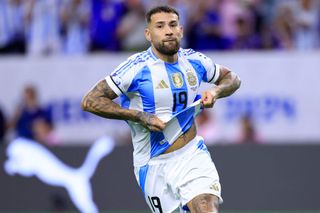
(215, 92)
(138, 116)
(142, 118)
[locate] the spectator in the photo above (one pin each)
(284, 26)
(12, 38)
(43, 132)
(260, 15)
(27, 112)
(75, 26)
(248, 133)
(207, 127)
(245, 36)
(105, 19)
(131, 29)
(205, 27)
(43, 26)
(306, 21)
(183, 7)
(268, 39)
(229, 11)
(2, 126)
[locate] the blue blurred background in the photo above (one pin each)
(74, 27)
(265, 138)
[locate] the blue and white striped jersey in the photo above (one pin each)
(146, 83)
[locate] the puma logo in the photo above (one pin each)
(28, 158)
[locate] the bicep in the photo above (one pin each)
(102, 89)
(223, 72)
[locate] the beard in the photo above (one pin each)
(167, 49)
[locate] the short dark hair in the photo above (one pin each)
(159, 9)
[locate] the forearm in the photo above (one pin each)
(228, 84)
(106, 108)
(99, 101)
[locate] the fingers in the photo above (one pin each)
(155, 128)
(156, 124)
(207, 99)
(151, 121)
(160, 125)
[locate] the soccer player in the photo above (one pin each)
(154, 86)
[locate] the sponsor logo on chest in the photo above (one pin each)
(162, 85)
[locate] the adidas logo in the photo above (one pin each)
(162, 85)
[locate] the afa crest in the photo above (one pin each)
(177, 79)
(192, 80)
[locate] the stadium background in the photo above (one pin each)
(264, 139)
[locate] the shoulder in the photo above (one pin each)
(195, 57)
(139, 59)
(134, 63)
(192, 54)
(140, 56)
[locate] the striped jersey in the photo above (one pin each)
(146, 83)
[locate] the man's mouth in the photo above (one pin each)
(170, 40)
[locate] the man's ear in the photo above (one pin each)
(147, 34)
(181, 30)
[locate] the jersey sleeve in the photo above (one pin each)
(207, 70)
(212, 70)
(121, 78)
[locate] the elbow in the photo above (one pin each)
(238, 82)
(84, 104)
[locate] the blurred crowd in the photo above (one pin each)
(35, 121)
(30, 120)
(46, 27)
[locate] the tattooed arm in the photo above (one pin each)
(99, 100)
(227, 84)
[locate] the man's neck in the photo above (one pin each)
(165, 58)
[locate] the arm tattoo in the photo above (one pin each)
(99, 101)
(146, 119)
(229, 83)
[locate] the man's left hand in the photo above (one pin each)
(208, 98)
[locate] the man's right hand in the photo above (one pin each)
(150, 121)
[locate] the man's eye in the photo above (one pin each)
(159, 26)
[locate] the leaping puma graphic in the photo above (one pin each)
(28, 158)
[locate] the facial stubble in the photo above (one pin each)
(167, 49)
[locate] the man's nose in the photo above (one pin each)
(168, 30)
